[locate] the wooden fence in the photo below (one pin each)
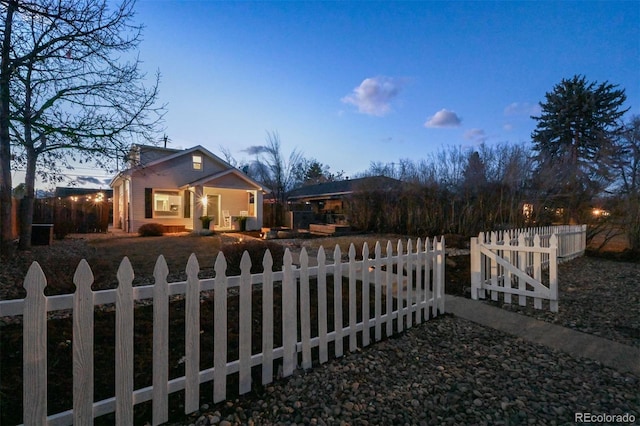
(397, 290)
(523, 262)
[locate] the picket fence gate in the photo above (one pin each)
(523, 262)
(417, 286)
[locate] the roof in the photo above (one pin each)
(174, 153)
(344, 187)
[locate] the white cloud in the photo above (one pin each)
(374, 95)
(522, 108)
(443, 118)
(507, 127)
(475, 135)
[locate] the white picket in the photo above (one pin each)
(337, 301)
(440, 271)
(267, 318)
(220, 330)
(83, 345)
(244, 344)
(124, 344)
(289, 317)
(410, 291)
(35, 347)
(366, 313)
(160, 409)
(522, 265)
(399, 289)
(537, 268)
(305, 311)
(192, 337)
(420, 281)
(377, 274)
(389, 288)
(322, 306)
(353, 310)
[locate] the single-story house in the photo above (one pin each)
(176, 188)
(328, 197)
(326, 201)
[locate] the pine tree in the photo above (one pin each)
(574, 140)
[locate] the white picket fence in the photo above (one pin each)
(523, 262)
(417, 287)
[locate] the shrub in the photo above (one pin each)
(256, 249)
(151, 230)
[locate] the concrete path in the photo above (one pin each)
(621, 357)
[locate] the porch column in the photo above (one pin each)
(197, 207)
(259, 199)
(116, 220)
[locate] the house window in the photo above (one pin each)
(197, 162)
(167, 204)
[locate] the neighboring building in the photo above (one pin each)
(328, 197)
(178, 187)
(326, 201)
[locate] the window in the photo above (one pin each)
(167, 204)
(197, 162)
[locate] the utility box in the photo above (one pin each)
(42, 234)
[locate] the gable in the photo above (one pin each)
(176, 168)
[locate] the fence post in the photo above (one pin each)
(440, 274)
(475, 268)
(553, 273)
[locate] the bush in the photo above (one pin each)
(151, 230)
(256, 249)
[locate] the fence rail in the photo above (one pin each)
(412, 280)
(523, 262)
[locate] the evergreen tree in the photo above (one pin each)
(574, 140)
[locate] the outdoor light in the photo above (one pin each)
(203, 200)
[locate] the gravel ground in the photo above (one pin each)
(597, 296)
(446, 371)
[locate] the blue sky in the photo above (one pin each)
(350, 83)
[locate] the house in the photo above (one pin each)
(326, 201)
(176, 188)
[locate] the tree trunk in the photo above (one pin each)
(26, 204)
(6, 232)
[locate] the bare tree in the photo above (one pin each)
(74, 99)
(275, 171)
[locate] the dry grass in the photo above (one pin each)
(104, 253)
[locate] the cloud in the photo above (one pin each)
(475, 135)
(507, 127)
(522, 108)
(255, 150)
(90, 180)
(374, 95)
(443, 118)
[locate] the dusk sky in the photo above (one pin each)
(350, 83)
